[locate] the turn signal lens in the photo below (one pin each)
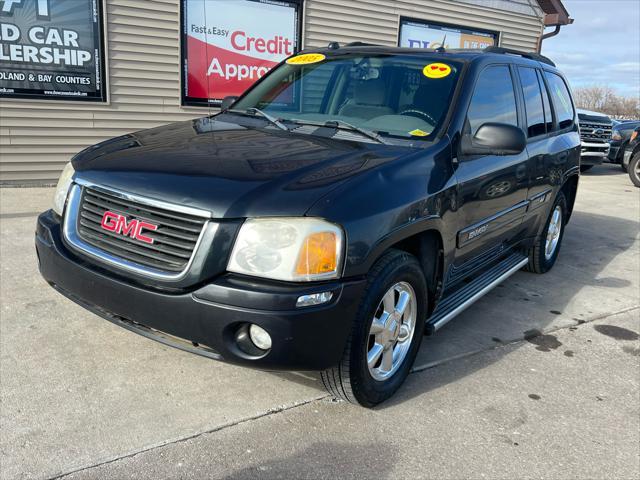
(318, 255)
(633, 135)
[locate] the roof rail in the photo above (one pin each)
(529, 55)
(362, 44)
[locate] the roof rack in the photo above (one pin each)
(362, 44)
(529, 55)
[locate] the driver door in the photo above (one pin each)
(492, 189)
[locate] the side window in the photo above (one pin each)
(561, 100)
(493, 99)
(548, 117)
(533, 102)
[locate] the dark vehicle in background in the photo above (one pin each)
(620, 136)
(595, 132)
(352, 200)
(631, 157)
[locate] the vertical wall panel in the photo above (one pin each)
(143, 81)
(376, 21)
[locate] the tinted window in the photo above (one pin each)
(546, 102)
(533, 102)
(493, 99)
(561, 100)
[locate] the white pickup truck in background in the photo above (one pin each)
(595, 132)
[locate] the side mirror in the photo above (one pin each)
(227, 102)
(495, 139)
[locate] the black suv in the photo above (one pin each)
(620, 138)
(354, 199)
(631, 157)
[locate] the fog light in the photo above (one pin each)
(314, 299)
(260, 337)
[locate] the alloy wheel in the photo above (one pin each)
(391, 331)
(553, 233)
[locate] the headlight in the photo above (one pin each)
(64, 182)
(616, 136)
(292, 249)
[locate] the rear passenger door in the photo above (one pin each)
(547, 138)
(492, 188)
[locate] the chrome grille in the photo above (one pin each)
(595, 132)
(174, 241)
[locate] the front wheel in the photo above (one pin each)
(385, 335)
(543, 255)
(634, 169)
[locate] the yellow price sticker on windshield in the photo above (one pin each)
(418, 133)
(436, 70)
(306, 59)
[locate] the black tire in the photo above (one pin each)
(584, 168)
(538, 261)
(351, 379)
(634, 173)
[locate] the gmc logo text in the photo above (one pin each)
(114, 222)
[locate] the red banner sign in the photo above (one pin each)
(229, 44)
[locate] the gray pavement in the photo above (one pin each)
(540, 379)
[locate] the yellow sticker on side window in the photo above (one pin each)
(418, 133)
(436, 70)
(306, 59)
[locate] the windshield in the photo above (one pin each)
(379, 95)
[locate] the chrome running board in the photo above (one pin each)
(461, 299)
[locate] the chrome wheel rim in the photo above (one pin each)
(391, 332)
(553, 233)
(636, 169)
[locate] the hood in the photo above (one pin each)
(589, 116)
(230, 169)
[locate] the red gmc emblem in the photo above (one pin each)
(114, 222)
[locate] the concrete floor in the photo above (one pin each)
(83, 397)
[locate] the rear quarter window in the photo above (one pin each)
(561, 99)
(548, 117)
(533, 103)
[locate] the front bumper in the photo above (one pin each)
(592, 159)
(209, 320)
(614, 153)
(593, 153)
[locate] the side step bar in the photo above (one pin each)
(466, 296)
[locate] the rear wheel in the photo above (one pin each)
(634, 169)
(543, 255)
(386, 333)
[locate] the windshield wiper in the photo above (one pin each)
(363, 131)
(256, 111)
(344, 126)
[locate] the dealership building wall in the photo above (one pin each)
(143, 65)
